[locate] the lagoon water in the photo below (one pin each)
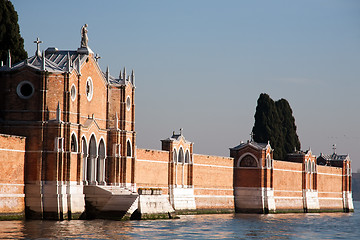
(218, 226)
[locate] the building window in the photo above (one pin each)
(116, 148)
(187, 157)
(73, 92)
(128, 103)
(89, 89)
(128, 149)
(25, 90)
(181, 155)
(248, 161)
(309, 166)
(73, 144)
(268, 161)
(174, 156)
(59, 144)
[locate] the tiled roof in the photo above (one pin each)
(334, 157)
(260, 146)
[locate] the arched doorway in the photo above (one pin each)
(100, 176)
(91, 164)
(84, 152)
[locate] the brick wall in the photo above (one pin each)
(12, 157)
(330, 187)
(287, 184)
(213, 182)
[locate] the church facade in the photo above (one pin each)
(68, 150)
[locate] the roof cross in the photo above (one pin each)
(38, 53)
(97, 57)
(252, 137)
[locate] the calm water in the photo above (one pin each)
(228, 226)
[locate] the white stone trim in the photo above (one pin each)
(12, 150)
(330, 174)
(208, 165)
(11, 195)
(214, 196)
(287, 170)
(216, 189)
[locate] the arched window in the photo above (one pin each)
(187, 157)
(174, 156)
(248, 161)
(128, 149)
(309, 166)
(268, 161)
(181, 155)
(73, 144)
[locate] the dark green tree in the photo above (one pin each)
(10, 37)
(274, 122)
(290, 137)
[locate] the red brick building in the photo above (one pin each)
(77, 154)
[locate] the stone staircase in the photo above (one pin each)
(110, 202)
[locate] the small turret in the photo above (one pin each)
(43, 61)
(8, 60)
(107, 74)
(133, 77)
(124, 74)
(79, 65)
(69, 62)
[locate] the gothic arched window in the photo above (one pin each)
(181, 155)
(174, 156)
(73, 144)
(248, 161)
(128, 149)
(187, 157)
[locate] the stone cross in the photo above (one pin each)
(38, 53)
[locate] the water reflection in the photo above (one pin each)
(218, 226)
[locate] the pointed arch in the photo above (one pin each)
(84, 151)
(247, 160)
(187, 156)
(73, 142)
(91, 163)
(100, 173)
(175, 155)
(181, 155)
(128, 148)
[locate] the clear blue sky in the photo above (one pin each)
(201, 65)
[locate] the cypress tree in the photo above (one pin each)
(274, 122)
(10, 37)
(267, 125)
(291, 139)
